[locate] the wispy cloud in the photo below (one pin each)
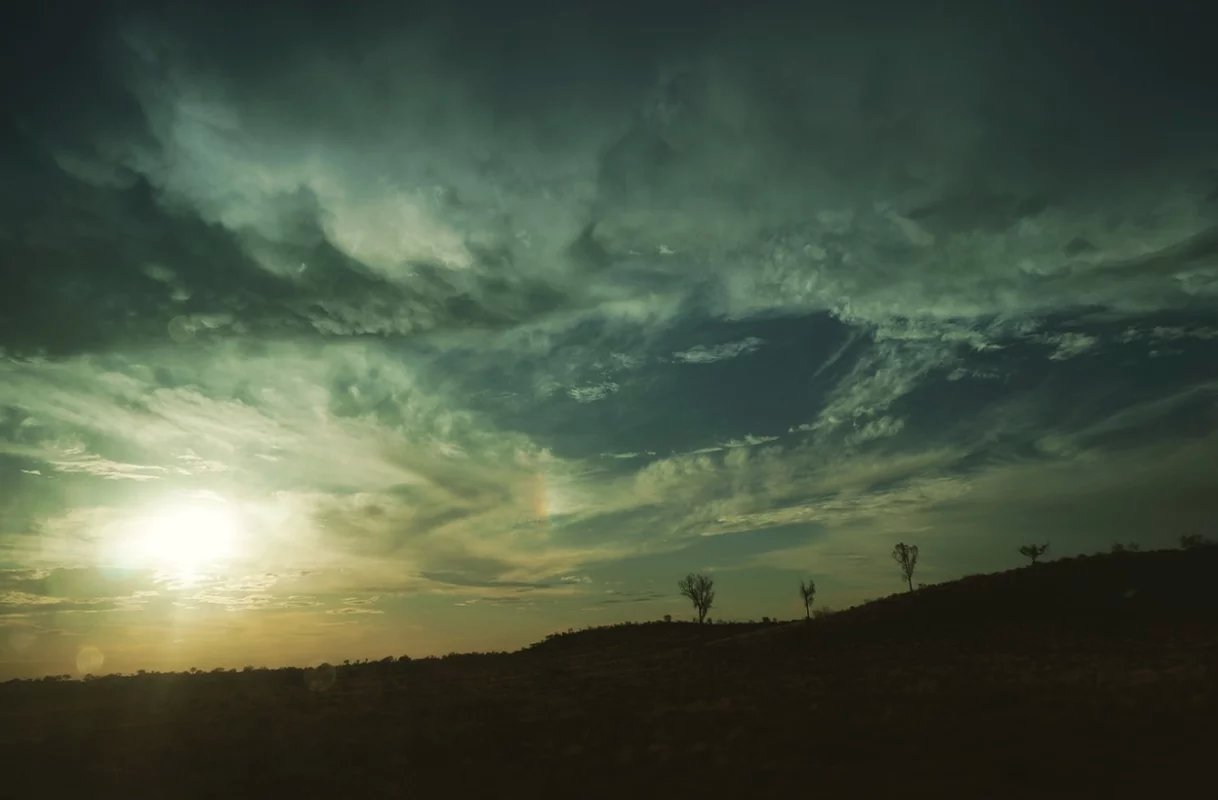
(709, 354)
(74, 458)
(592, 392)
(1069, 345)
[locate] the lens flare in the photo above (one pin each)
(89, 659)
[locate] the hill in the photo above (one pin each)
(1089, 595)
(1084, 677)
(1113, 586)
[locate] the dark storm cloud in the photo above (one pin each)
(391, 173)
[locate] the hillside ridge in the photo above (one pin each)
(1103, 589)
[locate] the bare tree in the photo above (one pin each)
(700, 590)
(906, 556)
(807, 590)
(1033, 551)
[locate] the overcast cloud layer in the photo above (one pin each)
(485, 323)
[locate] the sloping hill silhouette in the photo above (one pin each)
(1098, 593)
(1086, 677)
(631, 639)
(1109, 586)
(1088, 590)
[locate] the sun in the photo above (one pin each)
(187, 538)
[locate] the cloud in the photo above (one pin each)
(72, 591)
(876, 429)
(25, 599)
(1069, 345)
(481, 195)
(709, 354)
(408, 292)
(617, 598)
(887, 372)
(74, 458)
(592, 392)
(749, 440)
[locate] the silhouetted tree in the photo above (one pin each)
(807, 590)
(906, 556)
(1033, 551)
(1120, 547)
(700, 590)
(1191, 541)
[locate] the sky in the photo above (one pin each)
(344, 332)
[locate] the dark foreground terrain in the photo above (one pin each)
(1088, 677)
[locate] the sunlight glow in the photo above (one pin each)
(188, 538)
